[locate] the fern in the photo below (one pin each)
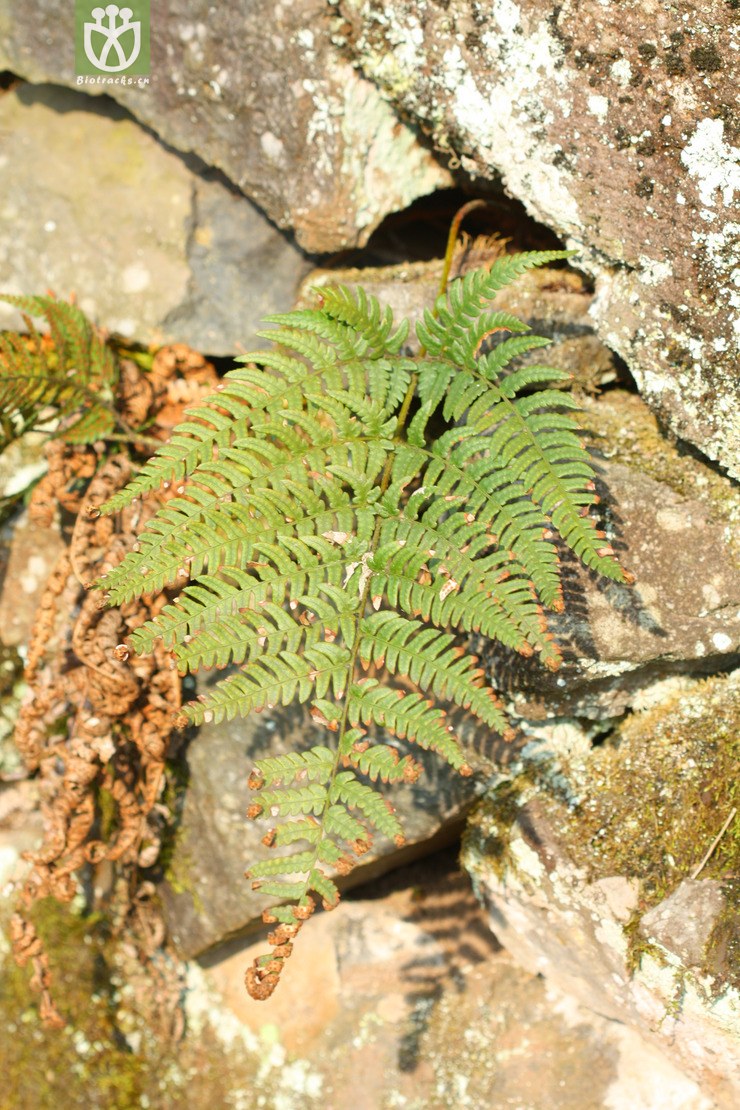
(327, 529)
(69, 374)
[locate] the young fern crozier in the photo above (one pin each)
(326, 531)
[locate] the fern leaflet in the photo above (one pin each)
(70, 373)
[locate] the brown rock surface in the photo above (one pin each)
(401, 997)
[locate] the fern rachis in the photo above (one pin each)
(326, 534)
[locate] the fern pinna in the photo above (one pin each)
(329, 536)
(71, 374)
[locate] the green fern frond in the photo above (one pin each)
(70, 376)
(432, 661)
(347, 789)
(343, 513)
(275, 680)
(316, 765)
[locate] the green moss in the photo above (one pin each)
(50, 1069)
(11, 668)
(490, 826)
(722, 958)
(91, 1063)
(174, 858)
(178, 871)
(654, 797)
(638, 945)
(674, 64)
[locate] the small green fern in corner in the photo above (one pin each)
(327, 531)
(70, 373)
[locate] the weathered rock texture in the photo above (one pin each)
(614, 123)
(594, 866)
(31, 557)
(155, 247)
(261, 92)
(401, 997)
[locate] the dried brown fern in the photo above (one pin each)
(93, 727)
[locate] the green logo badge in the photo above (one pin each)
(112, 41)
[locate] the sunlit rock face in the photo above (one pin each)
(611, 870)
(260, 92)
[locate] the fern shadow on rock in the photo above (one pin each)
(458, 938)
(627, 601)
(576, 628)
(437, 797)
(453, 940)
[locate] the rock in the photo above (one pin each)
(12, 691)
(401, 997)
(206, 898)
(21, 464)
(674, 525)
(156, 249)
(263, 94)
(586, 857)
(614, 125)
(32, 556)
(684, 922)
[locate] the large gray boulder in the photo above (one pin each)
(156, 247)
(205, 896)
(615, 125)
(259, 91)
(612, 124)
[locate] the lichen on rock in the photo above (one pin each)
(612, 123)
